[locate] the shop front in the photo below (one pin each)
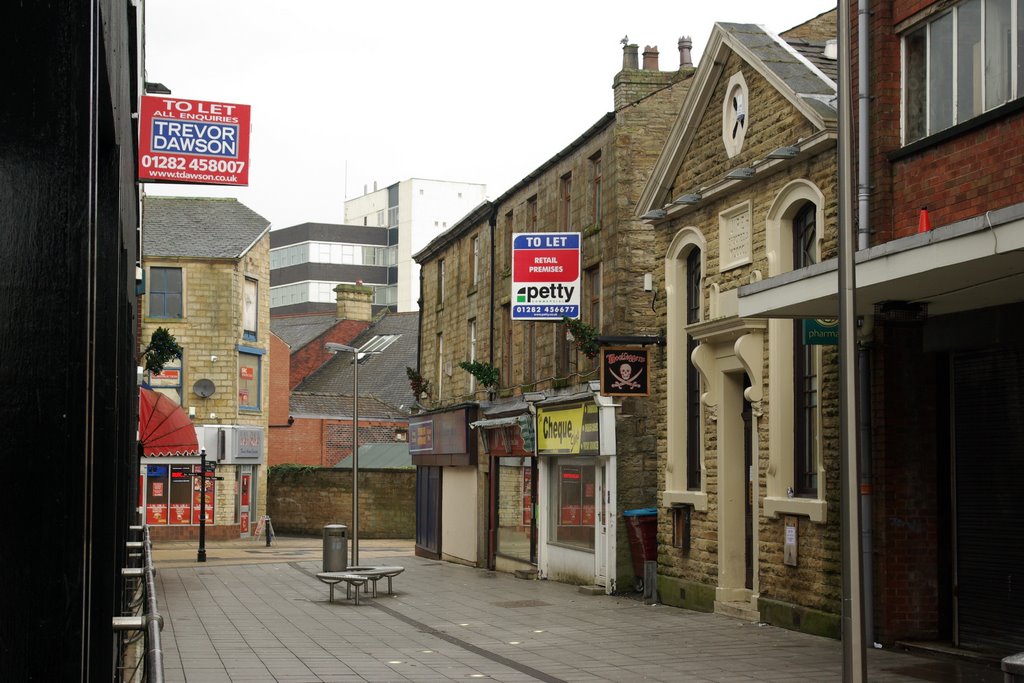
(447, 486)
(508, 437)
(576, 490)
(171, 490)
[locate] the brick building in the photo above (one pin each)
(493, 491)
(207, 274)
(939, 276)
(317, 427)
(746, 189)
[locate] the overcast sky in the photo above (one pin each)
(345, 93)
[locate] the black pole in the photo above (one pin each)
(201, 555)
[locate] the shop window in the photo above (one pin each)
(248, 381)
(574, 505)
(959, 64)
(165, 293)
(171, 495)
(515, 497)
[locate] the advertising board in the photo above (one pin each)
(545, 275)
(192, 141)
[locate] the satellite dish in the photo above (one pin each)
(204, 388)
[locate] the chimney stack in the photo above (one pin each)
(355, 302)
(685, 60)
(629, 56)
(650, 58)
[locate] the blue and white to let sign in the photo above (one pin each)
(545, 275)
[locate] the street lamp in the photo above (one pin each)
(335, 348)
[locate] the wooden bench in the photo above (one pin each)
(350, 580)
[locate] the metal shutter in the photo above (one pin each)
(989, 495)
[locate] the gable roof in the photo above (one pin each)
(320, 405)
(201, 227)
(299, 330)
(811, 91)
(381, 375)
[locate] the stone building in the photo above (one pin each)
(495, 489)
(939, 276)
(207, 275)
(747, 441)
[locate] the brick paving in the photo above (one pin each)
(255, 614)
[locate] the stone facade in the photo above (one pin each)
(590, 187)
(305, 500)
(210, 332)
(741, 231)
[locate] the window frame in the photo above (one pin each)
(257, 379)
(565, 202)
(250, 334)
(596, 178)
(918, 50)
(152, 294)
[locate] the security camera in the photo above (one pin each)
(214, 359)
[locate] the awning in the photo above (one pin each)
(164, 428)
(975, 263)
(494, 422)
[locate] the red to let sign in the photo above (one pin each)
(246, 373)
(192, 141)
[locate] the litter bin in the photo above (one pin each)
(642, 527)
(335, 548)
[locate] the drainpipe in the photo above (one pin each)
(867, 326)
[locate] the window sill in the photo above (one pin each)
(813, 508)
(698, 499)
(247, 409)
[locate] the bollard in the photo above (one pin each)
(1013, 668)
(267, 529)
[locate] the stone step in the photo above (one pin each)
(738, 610)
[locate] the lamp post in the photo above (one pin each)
(201, 554)
(335, 348)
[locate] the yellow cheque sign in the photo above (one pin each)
(568, 430)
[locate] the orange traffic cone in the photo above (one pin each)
(924, 224)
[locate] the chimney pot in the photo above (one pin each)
(685, 44)
(629, 56)
(650, 58)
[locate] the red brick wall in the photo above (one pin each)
(958, 178)
(323, 443)
(279, 389)
(214, 532)
(906, 533)
(310, 357)
(978, 171)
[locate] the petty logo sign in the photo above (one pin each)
(190, 141)
(545, 275)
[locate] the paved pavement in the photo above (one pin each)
(253, 614)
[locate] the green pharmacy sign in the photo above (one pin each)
(824, 331)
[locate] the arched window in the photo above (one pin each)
(794, 231)
(805, 368)
(684, 284)
(693, 299)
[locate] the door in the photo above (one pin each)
(601, 533)
(244, 499)
(748, 498)
(428, 511)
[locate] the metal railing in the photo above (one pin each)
(142, 621)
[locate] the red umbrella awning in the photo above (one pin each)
(164, 428)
